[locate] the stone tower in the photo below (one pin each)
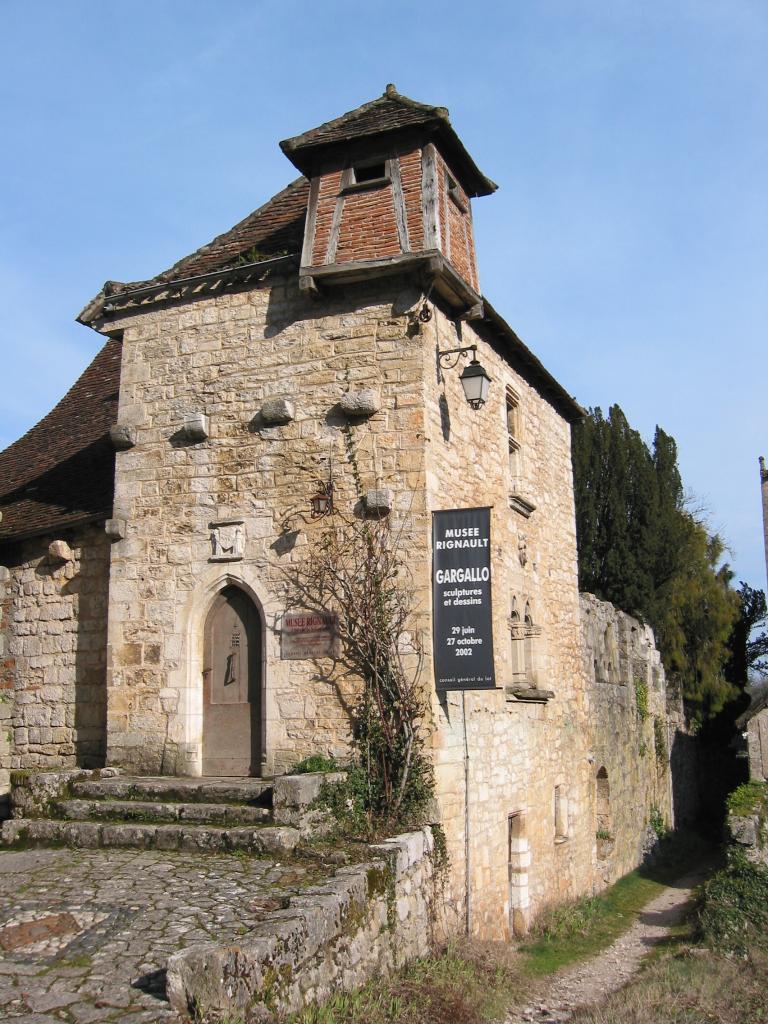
(764, 486)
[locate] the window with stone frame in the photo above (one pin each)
(524, 635)
(512, 411)
(562, 830)
(531, 635)
(517, 640)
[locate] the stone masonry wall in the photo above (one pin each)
(54, 633)
(7, 666)
(224, 357)
(514, 769)
(365, 922)
(632, 736)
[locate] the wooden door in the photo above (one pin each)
(232, 686)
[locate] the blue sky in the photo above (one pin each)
(627, 244)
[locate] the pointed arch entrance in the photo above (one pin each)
(232, 685)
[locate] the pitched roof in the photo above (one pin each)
(388, 113)
(275, 228)
(61, 472)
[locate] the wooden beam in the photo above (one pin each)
(429, 204)
(398, 201)
(310, 223)
(347, 177)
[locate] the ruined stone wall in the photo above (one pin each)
(224, 357)
(54, 632)
(757, 746)
(513, 768)
(632, 736)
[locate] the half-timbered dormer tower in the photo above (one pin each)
(390, 185)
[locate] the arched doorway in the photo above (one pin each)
(232, 686)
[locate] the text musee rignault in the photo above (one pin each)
(468, 537)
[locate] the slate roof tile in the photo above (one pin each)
(61, 472)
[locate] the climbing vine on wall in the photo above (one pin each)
(356, 568)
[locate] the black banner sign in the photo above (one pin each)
(461, 599)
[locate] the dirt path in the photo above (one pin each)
(592, 980)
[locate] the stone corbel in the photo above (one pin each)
(358, 404)
(115, 529)
(60, 551)
(378, 502)
(277, 411)
(122, 436)
(196, 427)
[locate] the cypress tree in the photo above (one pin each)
(642, 550)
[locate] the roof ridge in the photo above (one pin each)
(389, 95)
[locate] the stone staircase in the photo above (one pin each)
(106, 809)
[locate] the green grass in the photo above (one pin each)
(582, 928)
(465, 984)
(697, 988)
(749, 798)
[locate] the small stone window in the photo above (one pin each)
(524, 635)
(517, 638)
(561, 814)
(604, 831)
(513, 435)
(531, 633)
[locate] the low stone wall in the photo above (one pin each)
(749, 831)
(366, 921)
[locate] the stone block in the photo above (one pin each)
(60, 551)
(5, 574)
(378, 502)
(115, 529)
(277, 411)
(196, 427)
(744, 830)
(358, 404)
(122, 436)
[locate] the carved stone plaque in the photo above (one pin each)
(307, 634)
(227, 540)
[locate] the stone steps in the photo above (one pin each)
(222, 814)
(79, 809)
(256, 792)
(268, 840)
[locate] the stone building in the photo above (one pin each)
(151, 521)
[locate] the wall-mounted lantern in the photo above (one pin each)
(322, 500)
(474, 378)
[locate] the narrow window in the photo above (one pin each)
(603, 832)
(561, 814)
(530, 633)
(517, 638)
(518, 863)
(454, 192)
(513, 435)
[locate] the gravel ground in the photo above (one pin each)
(591, 980)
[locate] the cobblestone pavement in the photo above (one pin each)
(85, 934)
